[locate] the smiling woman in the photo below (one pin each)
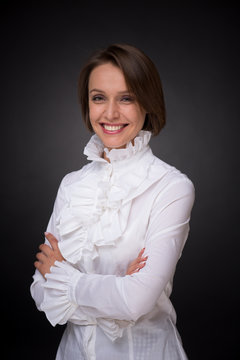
(138, 78)
(118, 225)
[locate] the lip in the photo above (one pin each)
(113, 132)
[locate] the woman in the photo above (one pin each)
(119, 224)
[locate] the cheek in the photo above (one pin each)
(139, 118)
(93, 113)
(137, 115)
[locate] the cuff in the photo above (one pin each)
(59, 301)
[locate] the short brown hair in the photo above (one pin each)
(142, 79)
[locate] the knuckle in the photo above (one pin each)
(52, 256)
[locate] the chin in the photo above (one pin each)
(113, 145)
(114, 141)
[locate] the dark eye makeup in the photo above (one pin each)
(124, 98)
(97, 98)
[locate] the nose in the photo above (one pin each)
(111, 111)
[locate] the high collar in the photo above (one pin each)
(95, 148)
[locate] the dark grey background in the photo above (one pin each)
(196, 50)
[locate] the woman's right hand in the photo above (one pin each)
(137, 264)
(48, 255)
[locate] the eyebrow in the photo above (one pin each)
(101, 91)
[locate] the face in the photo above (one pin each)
(115, 115)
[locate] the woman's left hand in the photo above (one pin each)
(48, 255)
(137, 264)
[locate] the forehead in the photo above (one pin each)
(108, 78)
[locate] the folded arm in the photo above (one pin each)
(68, 291)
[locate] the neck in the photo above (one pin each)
(105, 157)
(122, 147)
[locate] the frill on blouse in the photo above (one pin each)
(56, 304)
(95, 148)
(98, 209)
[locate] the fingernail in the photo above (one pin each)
(46, 233)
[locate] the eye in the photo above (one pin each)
(127, 99)
(97, 98)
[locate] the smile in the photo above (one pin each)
(113, 129)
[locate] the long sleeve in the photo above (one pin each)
(128, 297)
(36, 289)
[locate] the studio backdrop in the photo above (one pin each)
(196, 51)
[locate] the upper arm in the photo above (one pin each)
(171, 208)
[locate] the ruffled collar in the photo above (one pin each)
(95, 148)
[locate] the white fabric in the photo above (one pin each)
(104, 214)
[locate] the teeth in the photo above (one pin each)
(112, 128)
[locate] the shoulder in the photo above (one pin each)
(76, 176)
(171, 179)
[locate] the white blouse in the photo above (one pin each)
(104, 214)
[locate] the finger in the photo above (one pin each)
(137, 267)
(37, 264)
(53, 241)
(139, 260)
(141, 265)
(46, 249)
(133, 271)
(41, 268)
(134, 262)
(141, 252)
(41, 257)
